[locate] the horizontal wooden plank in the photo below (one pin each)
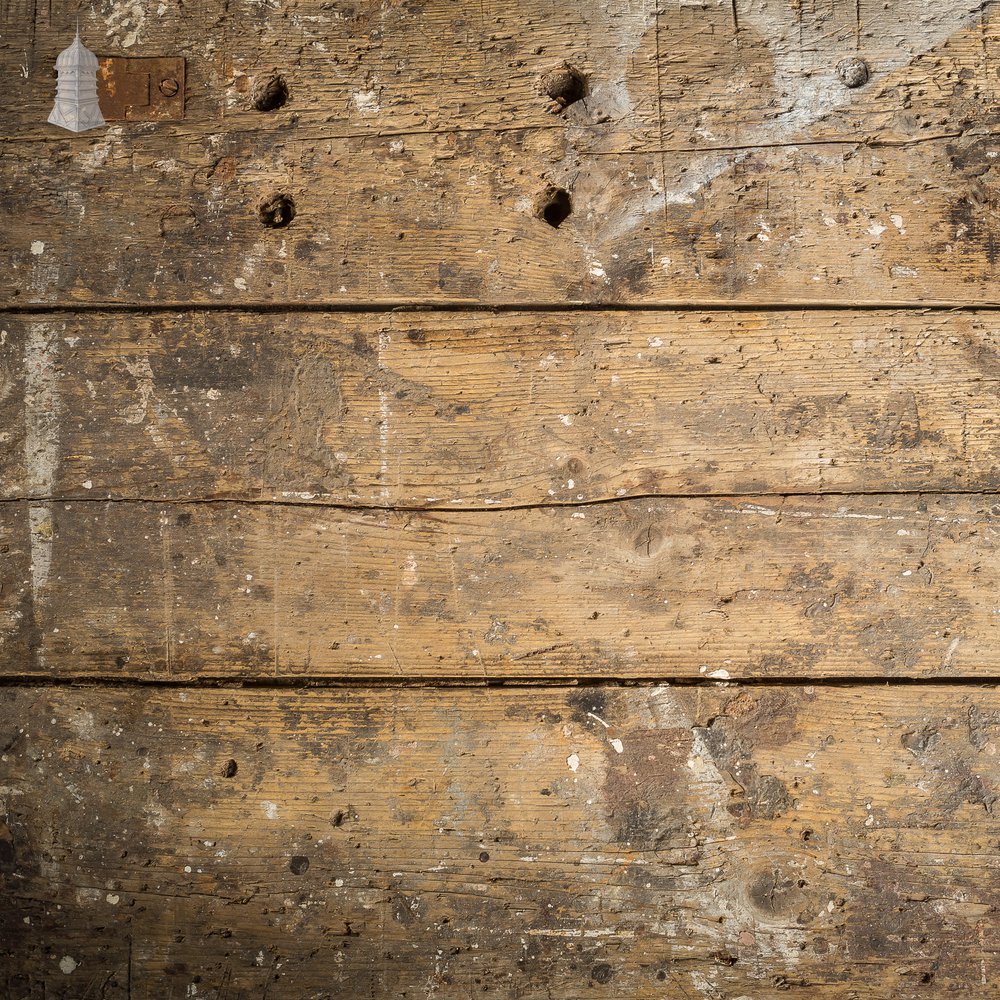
(652, 843)
(676, 73)
(481, 410)
(666, 205)
(807, 588)
(457, 221)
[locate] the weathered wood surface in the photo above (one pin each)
(659, 842)
(674, 74)
(481, 410)
(785, 186)
(812, 587)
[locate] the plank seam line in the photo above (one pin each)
(585, 128)
(872, 142)
(376, 307)
(491, 508)
(212, 682)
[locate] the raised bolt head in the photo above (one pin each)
(853, 72)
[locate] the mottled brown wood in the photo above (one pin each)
(807, 588)
(267, 494)
(784, 184)
(379, 224)
(677, 73)
(653, 843)
(480, 410)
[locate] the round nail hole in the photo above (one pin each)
(277, 211)
(553, 206)
(230, 768)
(271, 95)
(565, 85)
(853, 72)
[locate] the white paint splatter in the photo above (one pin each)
(619, 747)
(573, 762)
(950, 652)
(126, 22)
(366, 102)
(270, 809)
(38, 248)
(385, 415)
(68, 964)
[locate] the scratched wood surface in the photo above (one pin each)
(712, 159)
(845, 586)
(672, 74)
(626, 626)
(482, 410)
(656, 842)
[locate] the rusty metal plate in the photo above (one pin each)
(141, 89)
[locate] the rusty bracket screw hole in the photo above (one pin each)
(169, 87)
(553, 206)
(565, 85)
(277, 211)
(853, 72)
(271, 95)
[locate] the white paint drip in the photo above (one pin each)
(42, 408)
(385, 414)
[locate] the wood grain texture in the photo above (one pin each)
(481, 410)
(653, 843)
(880, 193)
(812, 587)
(676, 74)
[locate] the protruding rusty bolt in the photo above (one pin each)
(169, 87)
(853, 72)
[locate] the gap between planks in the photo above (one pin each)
(376, 306)
(527, 682)
(321, 504)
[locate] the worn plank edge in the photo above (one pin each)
(374, 305)
(91, 497)
(521, 682)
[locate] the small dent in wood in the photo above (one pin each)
(553, 206)
(271, 94)
(277, 211)
(601, 973)
(565, 85)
